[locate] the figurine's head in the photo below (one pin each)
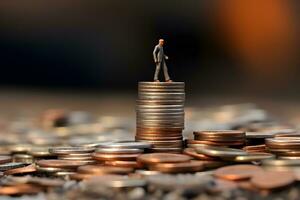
(161, 42)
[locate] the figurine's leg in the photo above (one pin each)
(157, 71)
(167, 77)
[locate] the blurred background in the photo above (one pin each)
(227, 48)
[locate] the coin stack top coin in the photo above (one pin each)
(160, 115)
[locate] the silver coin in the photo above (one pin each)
(160, 117)
(127, 145)
(159, 126)
(160, 83)
(53, 169)
(76, 158)
(220, 151)
(281, 162)
(147, 172)
(160, 94)
(157, 123)
(163, 121)
(68, 150)
(13, 165)
(159, 106)
(179, 114)
(169, 111)
(163, 90)
(119, 150)
(160, 102)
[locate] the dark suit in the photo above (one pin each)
(159, 59)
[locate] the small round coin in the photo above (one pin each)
(153, 158)
(220, 151)
(184, 167)
(272, 179)
(237, 172)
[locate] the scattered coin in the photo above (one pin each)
(220, 151)
(269, 180)
(153, 158)
(237, 172)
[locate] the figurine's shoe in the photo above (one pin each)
(156, 80)
(169, 81)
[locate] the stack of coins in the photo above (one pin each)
(80, 154)
(120, 154)
(284, 147)
(218, 138)
(160, 115)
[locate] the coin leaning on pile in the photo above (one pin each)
(160, 115)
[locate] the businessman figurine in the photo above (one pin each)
(160, 61)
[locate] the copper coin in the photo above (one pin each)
(119, 151)
(21, 170)
(261, 147)
(220, 139)
(237, 172)
(192, 152)
(138, 137)
(153, 158)
(106, 157)
(20, 189)
(5, 159)
(192, 166)
(215, 143)
(121, 163)
(272, 179)
(46, 182)
(166, 150)
(160, 134)
(289, 153)
(59, 163)
(172, 129)
(98, 169)
(80, 177)
(220, 133)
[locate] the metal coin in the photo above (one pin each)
(126, 145)
(281, 162)
(60, 163)
(220, 151)
(68, 150)
(97, 169)
(20, 189)
(237, 172)
(251, 157)
(153, 158)
(272, 179)
(5, 159)
(107, 157)
(192, 152)
(184, 167)
(119, 150)
(8, 166)
(21, 170)
(120, 163)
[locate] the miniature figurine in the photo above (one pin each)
(159, 59)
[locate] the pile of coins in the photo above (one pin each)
(160, 115)
(218, 138)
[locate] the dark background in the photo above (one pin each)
(217, 47)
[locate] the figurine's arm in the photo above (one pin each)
(166, 57)
(155, 54)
